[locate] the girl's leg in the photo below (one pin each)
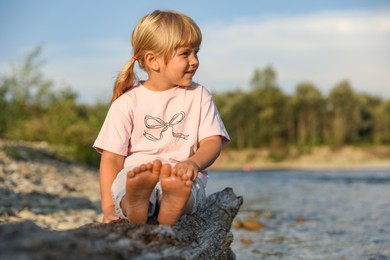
(176, 191)
(140, 183)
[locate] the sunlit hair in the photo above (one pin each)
(161, 32)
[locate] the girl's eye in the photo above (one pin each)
(188, 52)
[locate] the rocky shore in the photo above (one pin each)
(62, 195)
(62, 201)
(325, 157)
(35, 185)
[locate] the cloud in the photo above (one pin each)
(88, 68)
(323, 48)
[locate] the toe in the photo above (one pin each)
(142, 167)
(149, 166)
(131, 174)
(165, 171)
(157, 166)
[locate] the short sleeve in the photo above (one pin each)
(115, 134)
(210, 121)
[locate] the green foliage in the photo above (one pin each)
(264, 117)
(381, 123)
(3, 108)
(262, 79)
(33, 111)
(308, 110)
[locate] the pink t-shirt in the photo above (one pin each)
(144, 125)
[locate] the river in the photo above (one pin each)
(322, 214)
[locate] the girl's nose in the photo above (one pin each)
(194, 61)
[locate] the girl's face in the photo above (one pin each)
(181, 68)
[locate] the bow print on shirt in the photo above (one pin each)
(152, 122)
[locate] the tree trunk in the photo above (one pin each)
(203, 235)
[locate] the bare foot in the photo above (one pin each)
(139, 185)
(176, 189)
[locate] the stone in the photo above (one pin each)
(252, 225)
(203, 235)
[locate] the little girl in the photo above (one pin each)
(161, 134)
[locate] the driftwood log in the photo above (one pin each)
(203, 235)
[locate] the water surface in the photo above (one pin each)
(311, 214)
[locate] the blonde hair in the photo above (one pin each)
(161, 32)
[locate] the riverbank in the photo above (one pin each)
(321, 214)
(37, 186)
(58, 194)
(347, 157)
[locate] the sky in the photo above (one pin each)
(86, 43)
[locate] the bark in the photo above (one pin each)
(203, 235)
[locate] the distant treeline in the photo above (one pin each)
(32, 110)
(263, 117)
(267, 117)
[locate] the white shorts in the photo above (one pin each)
(118, 190)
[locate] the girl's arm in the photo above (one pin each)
(208, 151)
(110, 165)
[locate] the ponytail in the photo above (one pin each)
(160, 32)
(125, 79)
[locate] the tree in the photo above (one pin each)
(26, 79)
(382, 123)
(238, 110)
(262, 79)
(33, 111)
(308, 111)
(366, 106)
(344, 114)
(3, 108)
(19, 90)
(271, 103)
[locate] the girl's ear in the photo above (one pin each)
(151, 61)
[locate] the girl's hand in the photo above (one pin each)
(187, 168)
(109, 216)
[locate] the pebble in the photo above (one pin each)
(236, 223)
(252, 225)
(249, 224)
(246, 242)
(53, 193)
